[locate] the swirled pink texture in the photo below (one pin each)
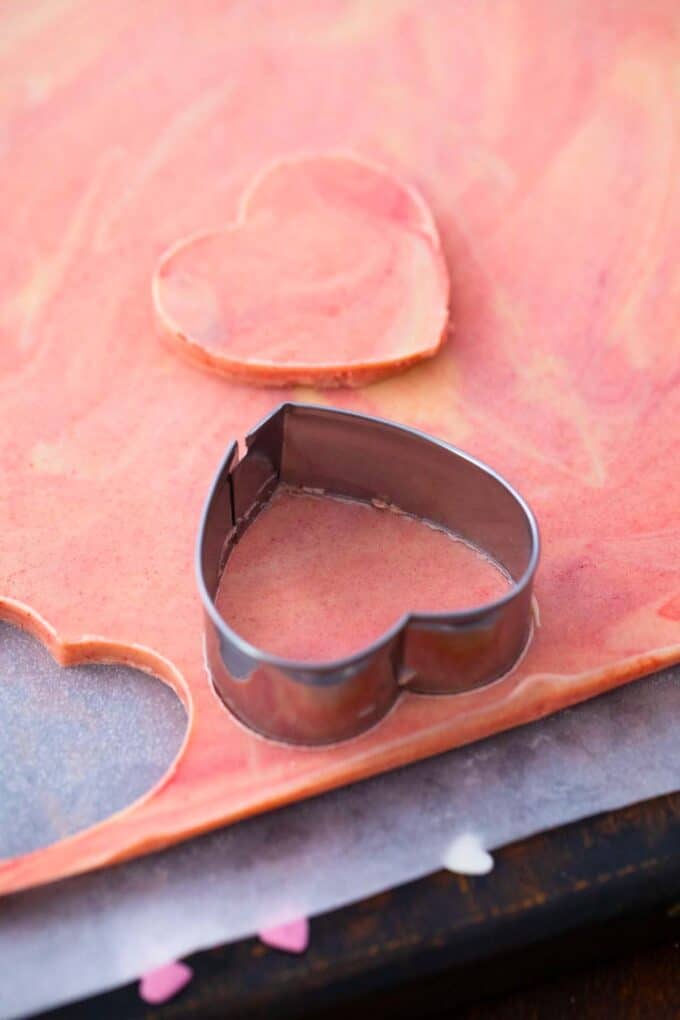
(543, 137)
(333, 274)
(317, 578)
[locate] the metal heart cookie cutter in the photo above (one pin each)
(363, 458)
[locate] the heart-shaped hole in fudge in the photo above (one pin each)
(331, 275)
(77, 744)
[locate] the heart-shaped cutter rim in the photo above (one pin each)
(266, 443)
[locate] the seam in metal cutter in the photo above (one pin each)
(364, 458)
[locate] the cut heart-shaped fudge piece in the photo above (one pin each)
(332, 275)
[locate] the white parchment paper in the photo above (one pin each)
(84, 935)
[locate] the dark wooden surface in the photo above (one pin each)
(583, 921)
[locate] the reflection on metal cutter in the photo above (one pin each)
(365, 458)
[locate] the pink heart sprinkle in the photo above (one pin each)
(163, 983)
(292, 937)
